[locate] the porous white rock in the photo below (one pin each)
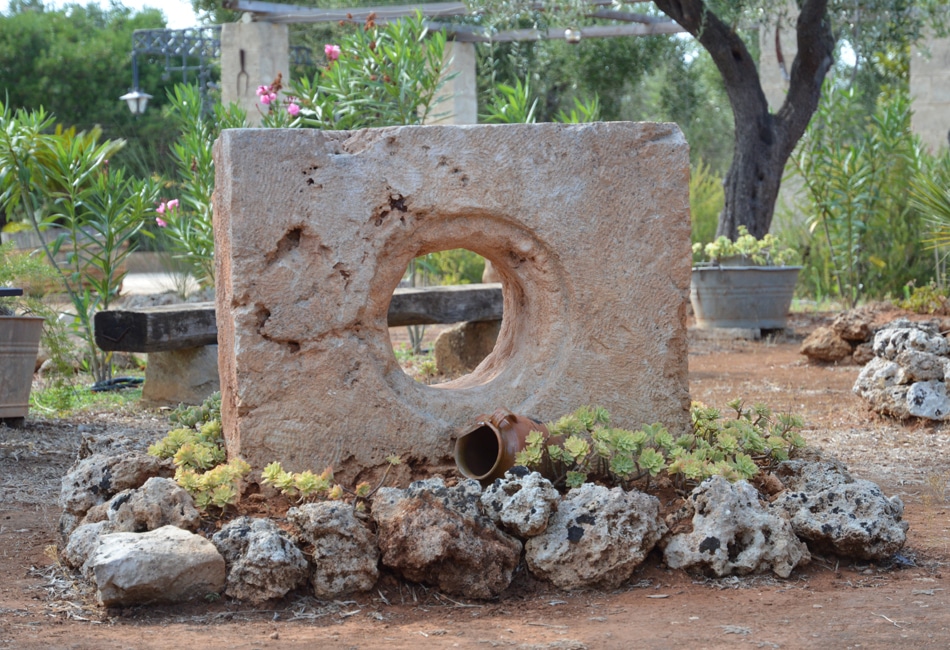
(164, 565)
(97, 478)
(344, 553)
(440, 536)
(732, 533)
(597, 537)
(521, 502)
(905, 336)
(83, 542)
(852, 518)
(262, 561)
(159, 502)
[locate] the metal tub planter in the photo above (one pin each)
(747, 297)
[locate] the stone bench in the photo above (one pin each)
(181, 340)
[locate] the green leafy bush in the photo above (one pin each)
(583, 446)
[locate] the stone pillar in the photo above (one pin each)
(587, 226)
(459, 103)
(930, 92)
(264, 50)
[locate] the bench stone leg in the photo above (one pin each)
(181, 376)
(459, 349)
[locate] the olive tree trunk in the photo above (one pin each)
(763, 141)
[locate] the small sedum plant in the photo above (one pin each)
(197, 448)
(583, 446)
(307, 487)
(767, 251)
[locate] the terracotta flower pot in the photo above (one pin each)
(19, 342)
(487, 449)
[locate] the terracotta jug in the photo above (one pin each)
(487, 449)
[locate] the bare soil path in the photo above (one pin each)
(830, 604)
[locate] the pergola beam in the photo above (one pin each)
(472, 34)
(282, 13)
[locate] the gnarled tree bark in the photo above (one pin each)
(763, 140)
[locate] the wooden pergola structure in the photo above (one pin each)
(637, 24)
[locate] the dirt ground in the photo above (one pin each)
(832, 603)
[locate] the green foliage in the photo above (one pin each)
(61, 399)
(383, 76)
(197, 448)
(304, 486)
(928, 299)
(583, 446)
(514, 105)
(746, 249)
(61, 182)
(930, 194)
(308, 487)
(858, 170)
(706, 200)
(75, 62)
(185, 220)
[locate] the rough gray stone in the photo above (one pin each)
(83, 542)
(344, 556)
(597, 538)
(262, 561)
(521, 502)
(920, 366)
(164, 565)
(732, 533)
(891, 341)
(438, 535)
(851, 519)
(159, 502)
(928, 399)
(812, 475)
(97, 478)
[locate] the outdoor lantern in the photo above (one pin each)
(137, 101)
(572, 36)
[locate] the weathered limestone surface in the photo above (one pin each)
(597, 538)
(440, 536)
(165, 565)
(344, 553)
(186, 376)
(262, 561)
(730, 532)
(587, 226)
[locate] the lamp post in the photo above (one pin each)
(136, 99)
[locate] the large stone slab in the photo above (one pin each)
(586, 225)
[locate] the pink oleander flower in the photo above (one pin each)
(262, 90)
(293, 110)
(161, 222)
(171, 205)
(332, 52)
(272, 96)
(161, 208)
(266, 98)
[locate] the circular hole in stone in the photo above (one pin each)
(440, 292)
